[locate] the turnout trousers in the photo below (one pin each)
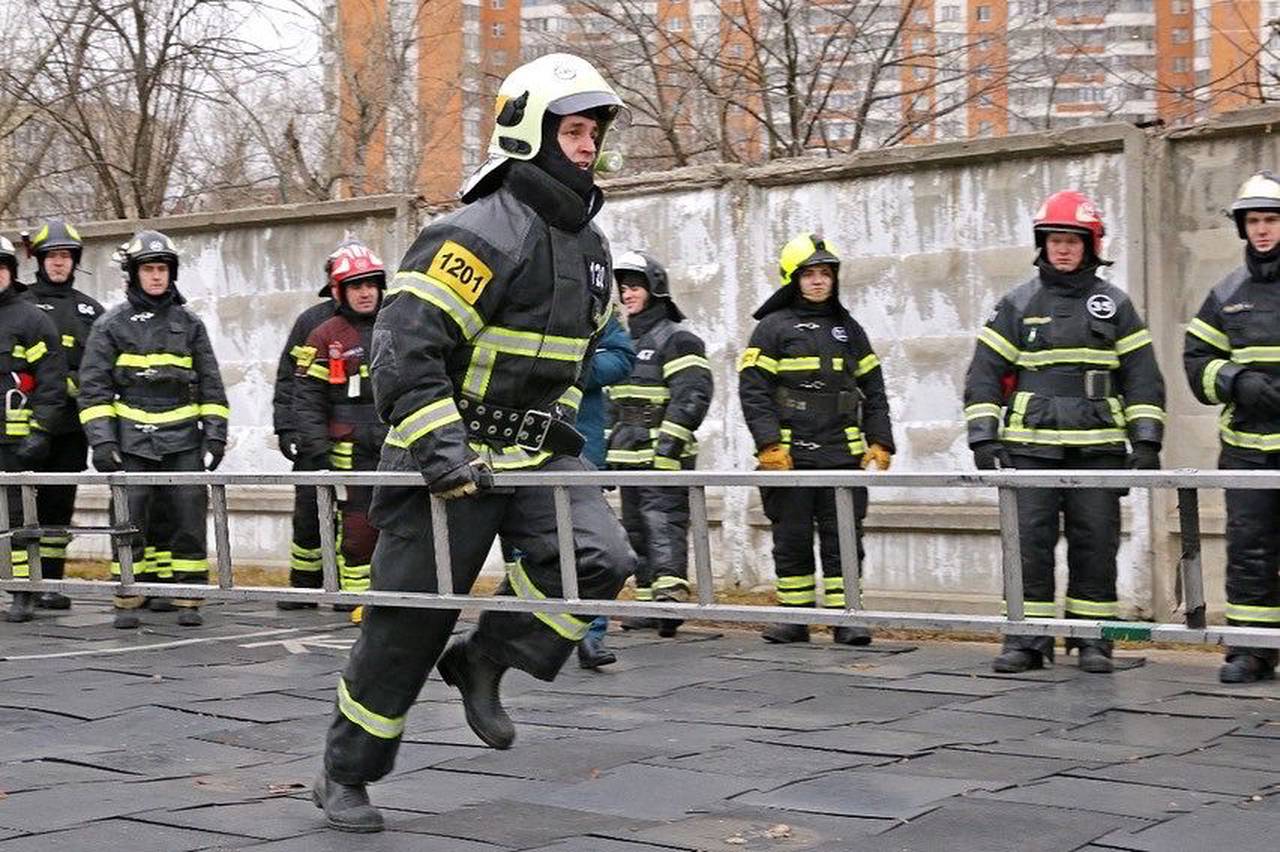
(56, 503)
(1253, 551)
(305, 567)
(657, 525)
(398, 646)
(793, 515)
(1091, 518)
(171, 521)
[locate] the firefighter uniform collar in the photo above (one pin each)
(1263, 266)
(139, 299)
(1079, 281)
(44, 287)
(557, 204)
(642, 323)
(10, 294)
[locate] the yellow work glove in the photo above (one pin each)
(775, 457)
(878, 456)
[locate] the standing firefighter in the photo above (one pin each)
(304, 549)
(1062, 372)
(654, 415)
(33, 375)
(57, 249)
(478, 359)
(813, 396)
(1230, 357)
(338, 426)
(151, 400)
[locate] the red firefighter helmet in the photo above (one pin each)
(1073, 212)
(350, 262)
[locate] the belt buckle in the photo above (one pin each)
(534, 427)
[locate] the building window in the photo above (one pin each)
(922, 16)
(1181, 35)
(675, 24)
(919, 44)
(1181, 64)
(497, 4)
(1181, 7)
(950, 13)
(984, 15)
(985, 128)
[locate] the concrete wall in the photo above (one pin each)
(931, 237)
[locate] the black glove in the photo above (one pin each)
(216, 450)
(1145, 456)
(1255, 390)
(106, 458)
(463, 481)
(991, 455)
(34, 449)
(288, 445)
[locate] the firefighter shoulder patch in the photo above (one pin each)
(1101, 306)
(461, 271)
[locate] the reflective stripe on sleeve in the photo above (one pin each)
(1210, 335)
(422, 422)
(684, 362)
(441, 296)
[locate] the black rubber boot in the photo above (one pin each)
(638, 623)
(160, 605)
(592, 654)
(1096, 659)
(52, 600)
(851, 636)
(343, 607)
(477, 678)
(346, 806)
(667, 627)
(21, 609)
(289, 606)
(126, 619)
(1246, 668)
(190, 617)
(782, 634)
(1014, 660)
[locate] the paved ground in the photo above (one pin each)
(172, 739)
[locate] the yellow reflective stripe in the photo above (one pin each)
(675, 430)
(94, 412)
(832, 584)
(1245, 612)
(303, 355)
(981, 409)
(684, 362)
(72, 388)
(998, 343)
(340, 455)
(214, 409)
(318, 371)
(68, 341)
(480, 371)
(796, 598)
(1093, 609)
(651, 393)
(383, 727)
(1069, 355)
(617, 456)
(531, 344)
(1264, 441)
(1038, 609)
(1117, 413)
(1133, 342)
(866, 365)
(1210, 335)
(426, 419)
(172, 415)
(32, 353)
(664, 463)
(1256, 355)
(748, 358)
(441, 296)
(571, 398)
(764, 362)
(795, 365)
(1062, 437)
(188, 566)
(1153, 412)
(668, 582)
(853, 437)
(804, 581)
(153, 359)
(566, 625)
(644, 593)
(508, 458)
(1209, 379)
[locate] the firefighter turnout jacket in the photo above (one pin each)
(333, 399)
(656, 410)
(33, 369)
(149, 380)
(1064, 362)
(809, 380)
(479, 350)
(294, 360)
(73, 314)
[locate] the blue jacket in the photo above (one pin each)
(612, 362)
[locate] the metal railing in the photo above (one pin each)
(1008, 483)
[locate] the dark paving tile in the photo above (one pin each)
(297, 736)
(1065, 703)
(676, 738)
(120, 834)
(948, 684)
(37, 774)
(749, 759)
(176, 758)
(274, 819)
(1164, 732)
(522, 824)
(1182, 774)
(760, 829)
(862, 793)
(969, 727)
(1245, 752)
(571, 759)
(1062, 672)
(1217, 827)
(863, 739)
(261, 708)
(387, 841)
(415, 756)
(1084, 752)
(1106, 797)
(968, 824)
(639, 792)
(1263, 730)
(995, 770)
(598, 844)
(1246, 710)
(431, 791)
(71, 804)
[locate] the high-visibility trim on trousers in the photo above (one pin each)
(374, 724)
(566, 625)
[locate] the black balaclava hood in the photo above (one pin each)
(43, 279)
(1263, 265)
(1081, 276)
(551, 159)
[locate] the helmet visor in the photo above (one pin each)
(583, 101)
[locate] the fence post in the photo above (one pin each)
(221, 535)
(1011, 550)
(123, 541)
(30, 518)
(701, 546)
(1190, 568)
(850, 565)
(564, 537)
(440, 545)
(6, 547)
(328, 541)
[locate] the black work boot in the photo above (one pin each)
(637, 623)
(1242, 667)
(346, 806)
(592, 654)
(160, 605)
(1096, 659)
(667, 627)
(289, 606)
(21, 609)
(126, 611)
(851, 636)
(52, 600)
(190, 617)
(781, 634)
(1014, 660)
(477, 678)
(344, 607)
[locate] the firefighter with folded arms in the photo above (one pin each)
(305, 565)
(337, 425)
(1063, 372)
(33, 376)
(479, 358)
(62, 448)
(813, 396)
(654, 415)
(1230, 359)
(151, 400)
